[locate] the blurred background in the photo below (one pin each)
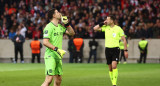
(138, 18)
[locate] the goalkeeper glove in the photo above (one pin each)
(60, 51)
(64, 19)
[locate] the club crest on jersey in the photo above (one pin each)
(46, 32)
(50, 70)
(114, 34)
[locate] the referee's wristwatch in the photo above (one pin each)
(126, 50)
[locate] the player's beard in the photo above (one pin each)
(109, 24)
(59, 18)
(105, 23)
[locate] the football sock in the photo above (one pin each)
(111, 76)
(115, 76)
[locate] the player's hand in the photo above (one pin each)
(105, 22)
(126, 54)
(60, 52)
(64, 19)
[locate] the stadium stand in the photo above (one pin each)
(137, 17)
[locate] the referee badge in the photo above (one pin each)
(114, 34)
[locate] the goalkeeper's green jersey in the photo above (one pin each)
(112, 35)
(54, 34)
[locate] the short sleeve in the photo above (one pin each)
(63, 28)
(121, 32)
(47, 32)
(104, 27)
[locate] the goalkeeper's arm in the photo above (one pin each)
(49, 45)
(69, 30)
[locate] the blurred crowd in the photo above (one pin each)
(138, 18)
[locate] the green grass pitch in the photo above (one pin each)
(81, 75)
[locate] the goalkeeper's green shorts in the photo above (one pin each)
(53, 66)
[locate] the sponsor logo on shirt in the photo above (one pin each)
(58, 33)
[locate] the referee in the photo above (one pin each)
(113, 34)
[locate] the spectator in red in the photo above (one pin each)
(36, 33)
(31, 27)
(11, 10)
(32, 10)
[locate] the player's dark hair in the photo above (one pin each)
(50, 13)
(112, 17)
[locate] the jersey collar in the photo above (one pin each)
(54, 24)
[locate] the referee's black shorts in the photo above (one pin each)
(112, 54)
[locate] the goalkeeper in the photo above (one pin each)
(52, 39)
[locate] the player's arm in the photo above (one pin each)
(70, 31)
(98, 27)
(125, 46)
(125, 42)
(47, 43)
(140, 48)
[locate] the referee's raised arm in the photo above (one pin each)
(98, 27)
